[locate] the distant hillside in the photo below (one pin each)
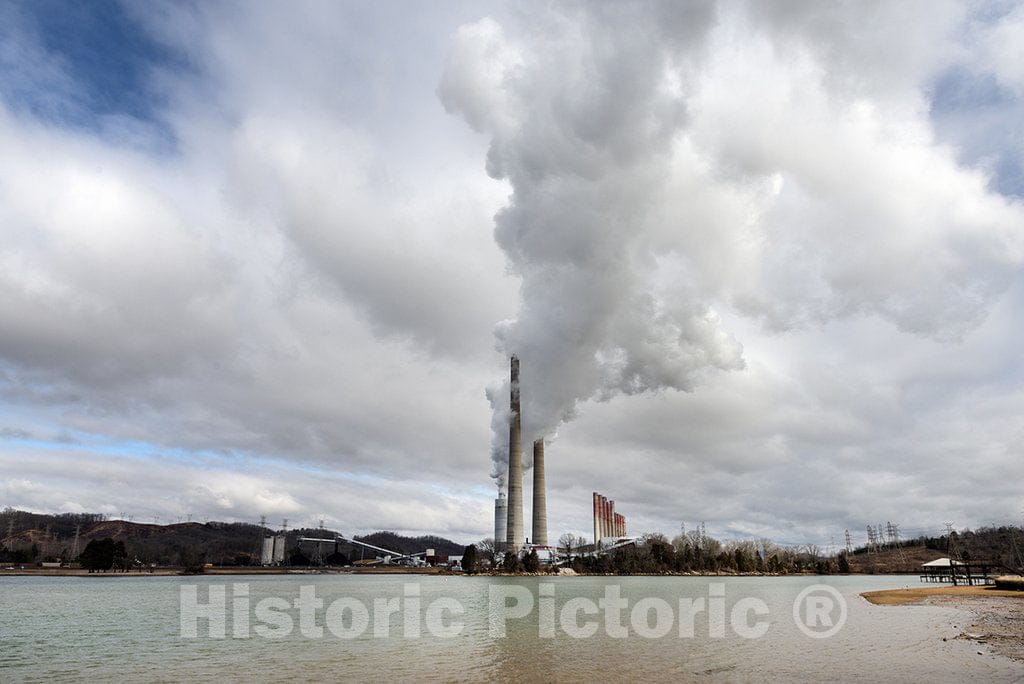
(885, 561)
(1003, 546)
(36, 537)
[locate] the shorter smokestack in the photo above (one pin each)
(540, 501)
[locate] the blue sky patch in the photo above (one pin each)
(84, 65)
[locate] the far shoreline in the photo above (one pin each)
(172, 571)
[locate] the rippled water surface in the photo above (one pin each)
(128, 629)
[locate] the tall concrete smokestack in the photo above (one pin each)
(500, 521)
(540, 498)
(514, 533)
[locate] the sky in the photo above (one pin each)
(762, 262)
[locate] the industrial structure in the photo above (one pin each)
(608, 525)
(514, 532)
(389, 557)
(540, 499)
(273, 550)
(509, 523)
(509, 534)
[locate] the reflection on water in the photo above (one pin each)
(127, 628)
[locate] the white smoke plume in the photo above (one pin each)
(582, 116)
(667, 159)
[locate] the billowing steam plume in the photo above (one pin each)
(582, 119)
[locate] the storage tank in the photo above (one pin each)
(279, 548)
(267, 557)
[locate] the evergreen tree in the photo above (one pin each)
(469, 559)
(844, 563)
(511, 562)
(531, 563)
(98, 555)
(119, 556)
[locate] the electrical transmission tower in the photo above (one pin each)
(894, 530)
(871, 540)
(849, 543)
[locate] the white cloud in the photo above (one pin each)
(765, 205)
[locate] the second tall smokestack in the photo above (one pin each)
(514, 531)
(540, 499)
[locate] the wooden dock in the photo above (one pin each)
(960, 574)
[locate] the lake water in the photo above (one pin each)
(130, 629)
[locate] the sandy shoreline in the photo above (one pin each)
(997, 615)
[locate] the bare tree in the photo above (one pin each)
(680, 542)
(654, 537)
(567, 542)
(485, 550)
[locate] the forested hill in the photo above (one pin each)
(30, 537)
